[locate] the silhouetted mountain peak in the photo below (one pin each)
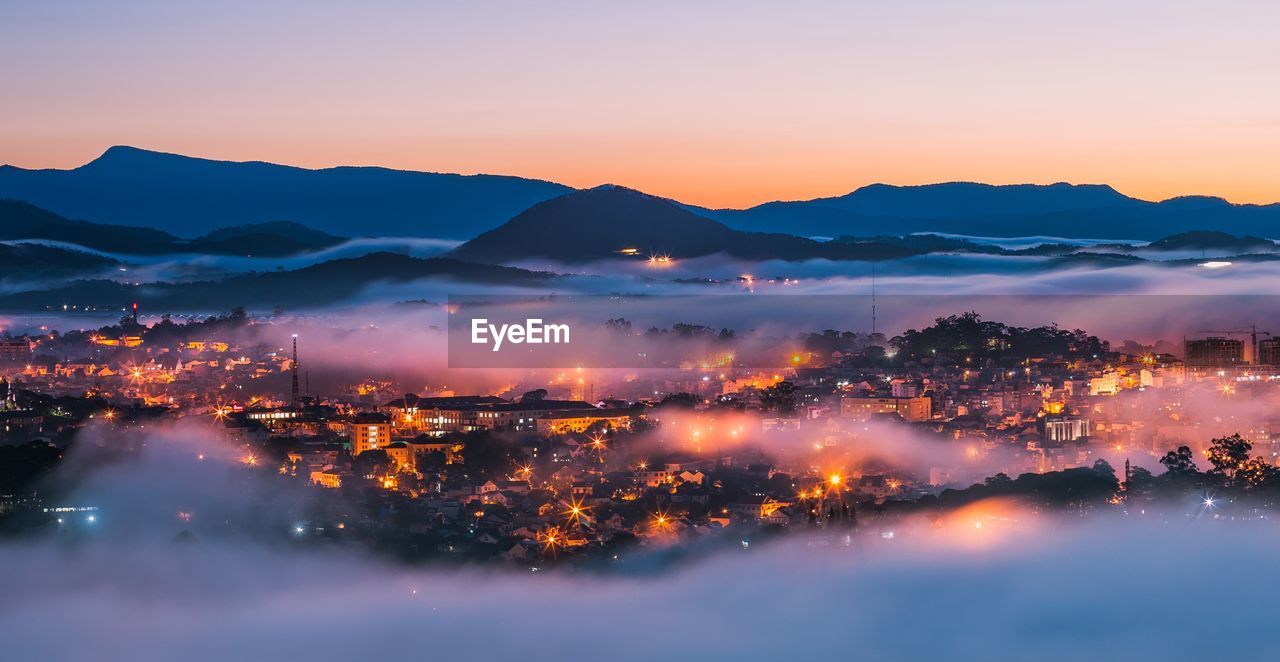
(595, 224)
(621, 223)
(127, 156)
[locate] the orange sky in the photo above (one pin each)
(720, 104)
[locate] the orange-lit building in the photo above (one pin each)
(910, 409)
(369, 431)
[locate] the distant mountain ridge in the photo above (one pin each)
(22, 220)
(1067, 210)
(968, 199)
(189, 196)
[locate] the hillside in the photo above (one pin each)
(318, 285)
(599, 223)
(21, 262)
(22, 220)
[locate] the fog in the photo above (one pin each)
(993, 580)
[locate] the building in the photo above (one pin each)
(402, 455)
(327, 477)
(369, 431)
(561, 422)
(1107, 384)
(21, 421)
(16, 350)
(411, 415)
(910, 409)
(1214, 352)
(1065, 428)
(524, 416)
(1269, 351)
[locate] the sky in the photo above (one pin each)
(724, 104)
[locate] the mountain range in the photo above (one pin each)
(1081, 211)
(190, 197)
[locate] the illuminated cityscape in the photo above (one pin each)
(627, 331)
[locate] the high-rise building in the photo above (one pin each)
(1269, 351)
(1214, 352)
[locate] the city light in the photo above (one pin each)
(576, 510)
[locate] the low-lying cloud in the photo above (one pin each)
(993, 580)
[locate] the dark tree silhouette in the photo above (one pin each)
(782, 398)
(1226, 454)
(1180, 462)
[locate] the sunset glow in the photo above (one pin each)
(721, 104)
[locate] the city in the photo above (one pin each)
(849, 433)
(715, 330)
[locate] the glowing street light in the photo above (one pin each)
(576, 510)
(551, 540)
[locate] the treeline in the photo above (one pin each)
(968, 336)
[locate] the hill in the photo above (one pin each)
(189, 196)
(1210, 240)
(318, 285)
(602, 222)
(26, 262)
(22, 220)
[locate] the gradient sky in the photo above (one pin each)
(716, 103)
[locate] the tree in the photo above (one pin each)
(1140, 482)
(536, 395)
(489, 455)
(680, 400)
(1226, 454)
(373, 463)
(1180, 462)
(782, 397)
(1257, 472)
(1000, 481)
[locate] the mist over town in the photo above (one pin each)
(637, 330)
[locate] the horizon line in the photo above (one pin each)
(122, 146)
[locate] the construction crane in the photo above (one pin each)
(1251, 331)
